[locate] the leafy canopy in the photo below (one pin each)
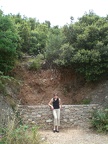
(88, 41)
(8, 44)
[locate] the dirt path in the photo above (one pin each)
(74, 136)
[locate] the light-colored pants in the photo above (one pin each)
(56, 114)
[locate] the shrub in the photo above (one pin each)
(20, 135)
(37, 62)
(86, 101)
(35, 65)
(100, 120)
(13, 133)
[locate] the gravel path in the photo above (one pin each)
(74, 136)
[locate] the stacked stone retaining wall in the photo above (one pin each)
(5, 111)
(71, 115)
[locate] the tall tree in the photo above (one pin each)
(89, 39)
(8, 44)
(54, 42)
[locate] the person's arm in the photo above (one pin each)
(50, 104)
(60, 103)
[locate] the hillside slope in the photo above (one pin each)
(38, 87)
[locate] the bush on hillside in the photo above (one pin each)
(100, 120)
(37, 62)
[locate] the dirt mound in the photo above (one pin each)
(38, 87)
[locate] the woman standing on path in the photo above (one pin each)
(55, 104)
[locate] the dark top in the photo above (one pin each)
(56, 103)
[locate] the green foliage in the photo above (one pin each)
(54, 42)
(87, 48)
(13, 132)
(34, 45)
(82, 45)
(100, 120)
(42, 31)
(38, 39)
(24, 33)
(8, 44)
(88, 63)
(37, 62)
(20, 135)
(33, 35)
(86, 101)
(65, 53)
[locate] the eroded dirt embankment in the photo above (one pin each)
(38, 87)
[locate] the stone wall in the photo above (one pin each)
(71, 115)
(5, 111)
